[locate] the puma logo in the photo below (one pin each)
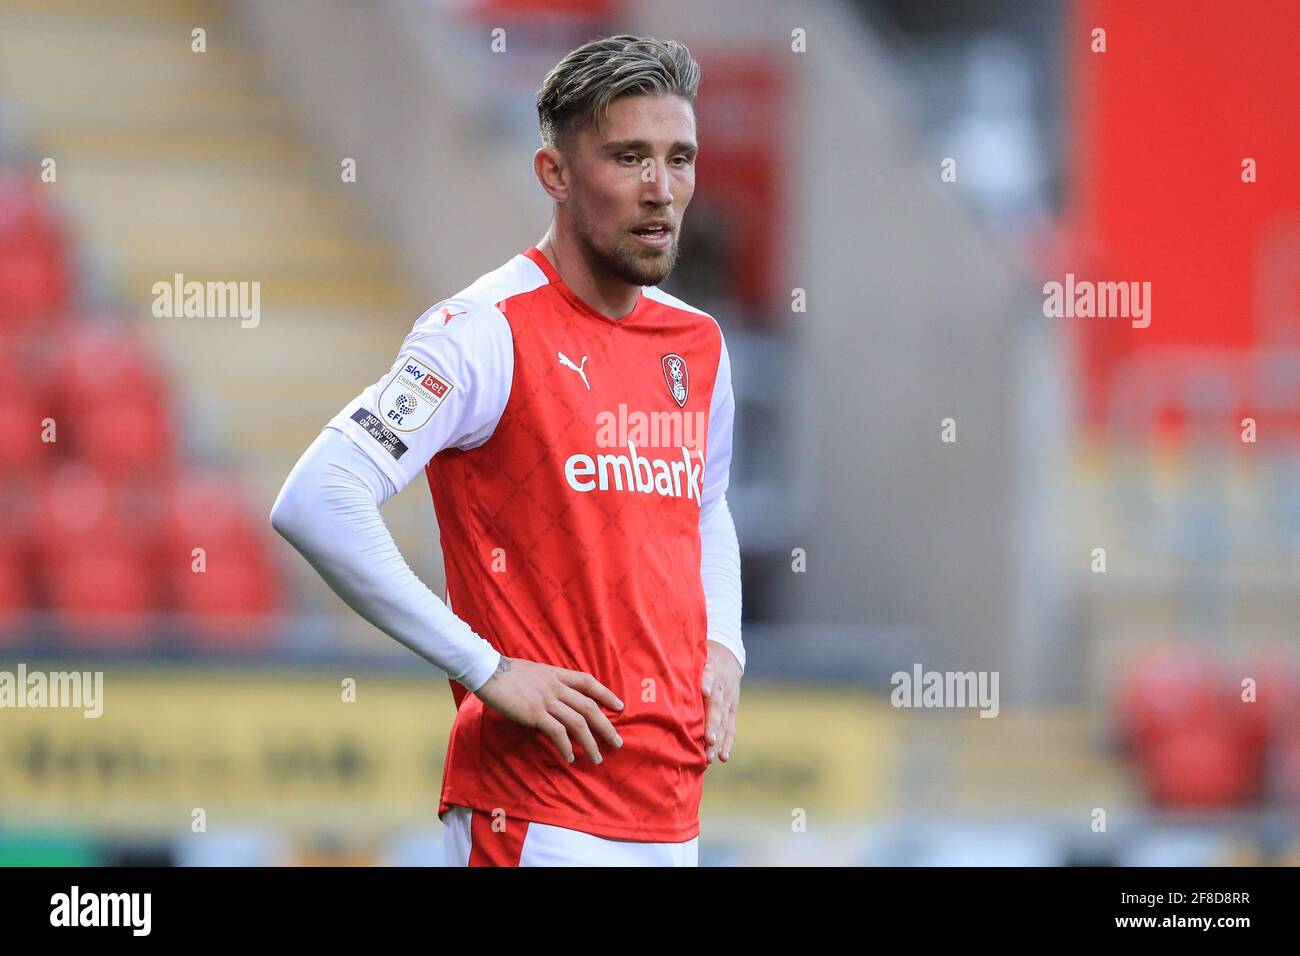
(568, 363)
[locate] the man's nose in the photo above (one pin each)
(657, 187)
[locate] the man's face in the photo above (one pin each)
(631, 182)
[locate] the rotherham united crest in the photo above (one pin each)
(675, 374)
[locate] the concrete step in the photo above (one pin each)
(224, 254)
(216, 111)
(282, 292)
(161, 147)
(112, 58)
(119, 195)
(137, 12)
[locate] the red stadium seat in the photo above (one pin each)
(77, 512)
(104, 596)
(24, 215)
(1265, 720)
(94, 558)
(21, 524)
(207, 509)
(11, 366)
(21, 448)
(230, 603)
(106, 358)
(33, 360)
(1201, 768)
(1166, 691)
(32, 284)
(33, 274)
(82, 510)
(15, 595)
(131, 435)
(1198, 744)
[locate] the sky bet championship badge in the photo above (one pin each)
(414, 394)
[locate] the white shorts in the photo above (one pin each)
(469, 840)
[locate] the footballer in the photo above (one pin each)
(574, 424)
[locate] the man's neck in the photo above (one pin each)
(608, 295)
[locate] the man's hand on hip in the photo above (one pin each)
(558, 702)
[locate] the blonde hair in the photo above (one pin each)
(590, 78)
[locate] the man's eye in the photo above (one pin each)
(629, 157)
(682, 160)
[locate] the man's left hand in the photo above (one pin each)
(720, 683)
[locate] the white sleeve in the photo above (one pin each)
(447, 389)
(329, 510)
(719, 548)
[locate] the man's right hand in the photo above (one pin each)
(556, 701)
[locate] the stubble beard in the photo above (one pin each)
(630, 263)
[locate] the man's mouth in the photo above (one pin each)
(653, 235)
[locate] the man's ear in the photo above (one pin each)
(552, 172)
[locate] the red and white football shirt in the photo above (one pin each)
(568, 455)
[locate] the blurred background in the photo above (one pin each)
(930, 471)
